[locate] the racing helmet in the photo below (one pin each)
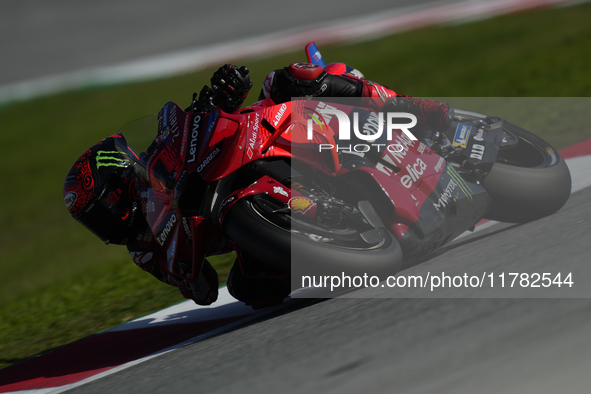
(100, 192)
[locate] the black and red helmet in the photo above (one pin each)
(100, 192)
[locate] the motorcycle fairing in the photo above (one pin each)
(201, 143)
(452, 206)
(168, 161)
(429, 197)
(478, 141)
(416, 181)
(408, 173)
(217, 156)
(289, 198)
(252, 132)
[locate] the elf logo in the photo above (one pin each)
(414, 173)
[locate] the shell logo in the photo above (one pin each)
(301, 204)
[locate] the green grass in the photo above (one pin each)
(60, 283)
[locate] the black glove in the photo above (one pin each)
(229, 88)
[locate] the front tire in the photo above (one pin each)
(528, 181)
(257, 233)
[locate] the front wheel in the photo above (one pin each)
(528, 180)
(293, 245)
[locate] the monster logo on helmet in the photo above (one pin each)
(98, 191)
(110, 159)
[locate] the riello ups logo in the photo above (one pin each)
(373, 128)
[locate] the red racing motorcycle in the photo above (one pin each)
(286, 184)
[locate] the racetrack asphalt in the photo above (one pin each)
(418, 345)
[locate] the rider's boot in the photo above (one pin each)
(257, 284)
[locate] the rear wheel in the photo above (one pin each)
(529, 179)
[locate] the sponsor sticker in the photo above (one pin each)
(477, 152)
(317, 56)
(226, 202)
(414, 173)
(279, 114)
(165, 233)
(300, 204)
(479, 135)
(192, 153)
(421, 148)
(70, 198)
(186, 228)
(208, 159)
(110, 159)
(280, 190)
(462, 134)
(439, 165)
(447, 195)
(459, 181)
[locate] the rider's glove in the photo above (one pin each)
(230, 86)
(204, 290)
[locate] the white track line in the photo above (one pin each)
(175, 63)
(187, 306)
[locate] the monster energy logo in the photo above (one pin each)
(460, 182)
(110, 159)
(316, 119)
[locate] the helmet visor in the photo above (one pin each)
(111, 217)
(104, 224)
